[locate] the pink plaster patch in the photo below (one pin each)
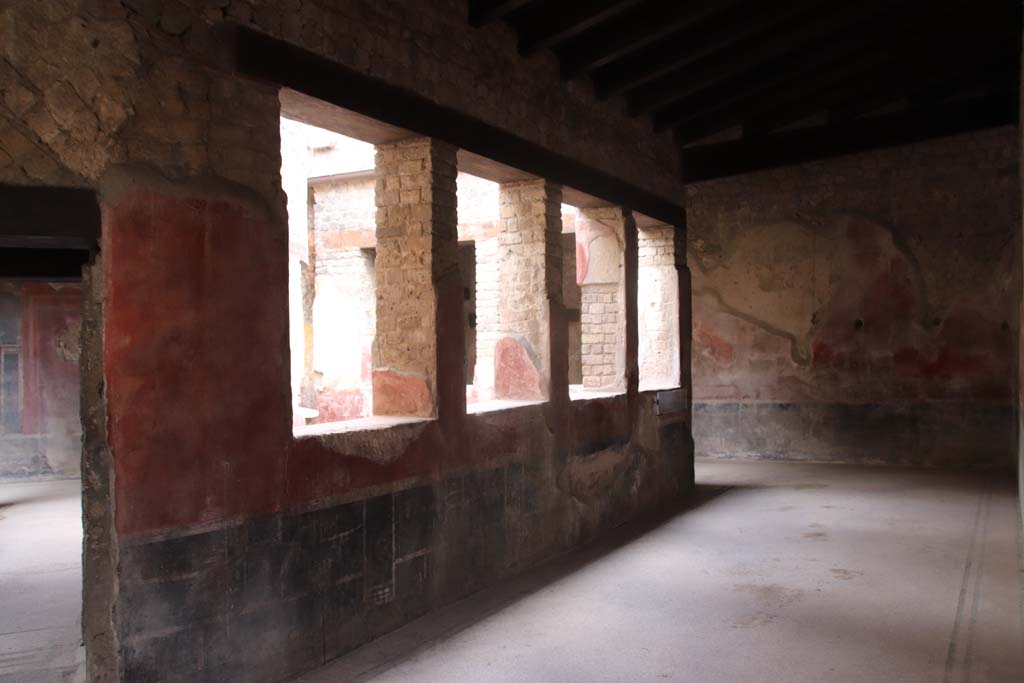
(395, 393)
(341, 404)
(515, 374)
(581, 261)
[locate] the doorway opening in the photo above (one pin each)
(46, 237)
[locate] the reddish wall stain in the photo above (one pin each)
(342, 404)
(395, 393)
(582, 254)
(515, 375)
(868, 301)
(714, 345)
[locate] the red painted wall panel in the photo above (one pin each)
(196, 359)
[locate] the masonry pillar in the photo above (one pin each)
(607, 235)
(663, 292)
(418, 350)
(530, 292)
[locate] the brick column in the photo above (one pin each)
(417, 280)
(530, 276)
(602, 234)
(660, 295)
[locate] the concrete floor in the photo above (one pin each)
(780, 572)
(41, 582)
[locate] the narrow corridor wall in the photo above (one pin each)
(860, 309)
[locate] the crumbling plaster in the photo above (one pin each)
(881, 279)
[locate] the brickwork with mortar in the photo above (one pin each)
(600, 238)
(530, 278)
(416, 241)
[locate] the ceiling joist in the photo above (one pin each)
(719, 160)
(710, 68)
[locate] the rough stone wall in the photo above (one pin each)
(659, 309)
(853, 309)
(118, 86)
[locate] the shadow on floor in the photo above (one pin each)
(767, 571)
(479, 606)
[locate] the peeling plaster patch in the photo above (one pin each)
(604, 260)
(920, 286)
(401, 393)
(798, 350)
(69, 343)
(824, 260)
(380, 446)
(517, 369)
(589, 478)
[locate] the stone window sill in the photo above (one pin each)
(578, 393)
(659, 386)
(362, 424)
(498, 404)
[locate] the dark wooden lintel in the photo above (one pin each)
(49, 217)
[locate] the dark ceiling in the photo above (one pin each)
(748, 84)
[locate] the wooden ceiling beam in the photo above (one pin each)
(641, 27)
(551, 29)
(886, 83)
(818, 29)
(719, 160)
(483, 12)
(803, 74)
(674, 52)
(49, 217)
